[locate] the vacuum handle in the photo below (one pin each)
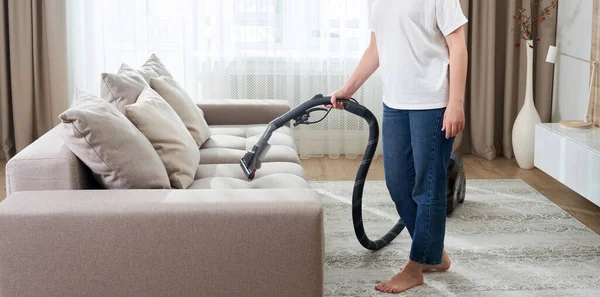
(349, 105)
(354, 108)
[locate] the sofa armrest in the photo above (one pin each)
(162, 243)
(47, 164)
(242, 111)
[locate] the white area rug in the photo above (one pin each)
(505, 240)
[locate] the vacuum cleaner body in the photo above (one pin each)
(251, 162)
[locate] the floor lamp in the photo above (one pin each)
(588, 121)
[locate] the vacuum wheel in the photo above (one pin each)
(456, 184)
(460, 186)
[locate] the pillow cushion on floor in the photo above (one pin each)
(122, 88)
(117, 153)
(157, 120)
(191, 115)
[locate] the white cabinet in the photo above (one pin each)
(570, 156)
(589, 170)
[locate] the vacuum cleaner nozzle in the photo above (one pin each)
(252, 160)
(246, 164)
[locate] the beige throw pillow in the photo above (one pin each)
(191, 115)
(153, 67)
(117, 153)
(156, 65)
(147, 73)
(122, 88)
(176, 147)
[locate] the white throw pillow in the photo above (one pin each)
(161, 125)
(122, 88)
(191, 115)
(117, 153)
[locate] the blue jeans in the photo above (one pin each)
(416, 155)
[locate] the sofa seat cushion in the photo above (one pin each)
(234, 171)
(219, 163)
(247, 130)
(238, 142)
(233, 156)
(228, 144)
(272, 181)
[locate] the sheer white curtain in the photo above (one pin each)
(241, 49)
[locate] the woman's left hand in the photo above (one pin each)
(454, 120)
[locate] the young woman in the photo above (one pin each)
(420, 47)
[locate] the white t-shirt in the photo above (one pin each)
(413, 53)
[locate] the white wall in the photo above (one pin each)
(571, 78)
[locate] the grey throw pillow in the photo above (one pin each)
(176, 147)
(122, 88)
(191, 115)
(117, 153)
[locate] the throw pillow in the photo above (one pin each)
(191, 115)
(122, 88)
(176, 147)
(154, 64)
(153, 67)
(147, 73)
(117, 153)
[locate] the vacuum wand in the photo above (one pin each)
(251, 162)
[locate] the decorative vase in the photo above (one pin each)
(523, 134)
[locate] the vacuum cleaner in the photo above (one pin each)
(251, 162)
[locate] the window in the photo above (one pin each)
(284, 27)
(198, 38)
(234, 49)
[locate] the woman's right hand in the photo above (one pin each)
(339, 94)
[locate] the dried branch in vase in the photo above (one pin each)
(527, 21)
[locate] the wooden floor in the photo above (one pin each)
(326, 169)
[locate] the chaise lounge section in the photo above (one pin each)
(61, 234)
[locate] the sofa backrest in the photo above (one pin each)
(47, 164)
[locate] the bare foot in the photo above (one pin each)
(409, 277)
(445, 266)
(446, 263)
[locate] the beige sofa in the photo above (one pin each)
(61, 235)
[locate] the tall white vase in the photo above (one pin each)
(523, 134)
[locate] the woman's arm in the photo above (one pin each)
(367, 66)
(454, 119)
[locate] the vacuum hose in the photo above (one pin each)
(251, 161)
